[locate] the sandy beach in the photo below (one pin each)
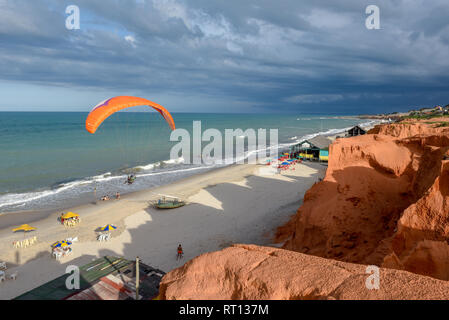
(236, 204)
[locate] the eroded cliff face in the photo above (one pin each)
(410, 128)
(384, 201)
(254, 272)
(420, 244)
(380, 202)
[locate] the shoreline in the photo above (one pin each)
(211, 220)
(73, 193)
(15, 218)
(238, 203)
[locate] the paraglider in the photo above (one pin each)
(108, 107)
(130, 179)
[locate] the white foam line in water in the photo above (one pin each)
(21, 199)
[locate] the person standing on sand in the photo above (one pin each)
(180, 252)
(117, 195)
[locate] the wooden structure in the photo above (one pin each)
(355, 131)
(107, 278)
(316, 149)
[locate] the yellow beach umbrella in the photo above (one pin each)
(24, 228)
(70, 215)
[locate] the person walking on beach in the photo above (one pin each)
(117, 195)
(180, 252)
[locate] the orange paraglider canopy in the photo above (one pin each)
(105, 108)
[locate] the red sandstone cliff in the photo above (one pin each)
(253, 272)
(384, 201)
(420, 244)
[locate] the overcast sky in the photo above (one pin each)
(226, 56)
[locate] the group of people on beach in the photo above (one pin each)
(180, 251)
(130, 179)
(106, 197)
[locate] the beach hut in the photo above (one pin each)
(324, 155)
(355, 131)
(310, 149)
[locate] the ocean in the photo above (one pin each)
(48, 160)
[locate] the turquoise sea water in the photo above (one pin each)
(48, 159)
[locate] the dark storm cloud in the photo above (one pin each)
(267, 55)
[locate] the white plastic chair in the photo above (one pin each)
(72, 239)
(57, 254)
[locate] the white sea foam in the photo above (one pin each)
(169, 170)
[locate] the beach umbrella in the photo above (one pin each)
(24, 228)
(108, 227)
(290, 160)
(285, 163)
(69, 215)
(61, 244)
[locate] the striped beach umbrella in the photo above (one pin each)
(108, 227)
(61, 244)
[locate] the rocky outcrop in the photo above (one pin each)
(384, 201)
(409, 129)
(253, 272)
(380, 200)
(421, 243)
